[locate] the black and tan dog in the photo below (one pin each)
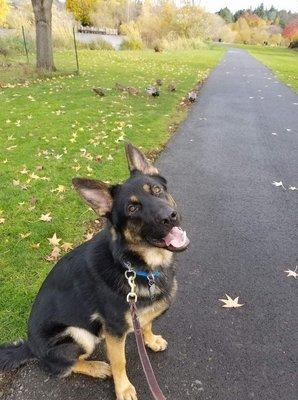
(83, 299)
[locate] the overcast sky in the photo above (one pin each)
(234, 5)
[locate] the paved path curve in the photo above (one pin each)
(221, 165)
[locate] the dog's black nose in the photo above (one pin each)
(171, 217)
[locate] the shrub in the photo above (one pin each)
(132, 44)
(12, 42)
(175, 42)
(20, 15)
(294, 44)
(96, 45)
(62, 23)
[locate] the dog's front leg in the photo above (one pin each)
(154, 342)
(116, 354)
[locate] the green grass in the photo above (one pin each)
(283, 62)
(44, 127)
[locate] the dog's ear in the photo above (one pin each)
(96, 194)
(137, 161)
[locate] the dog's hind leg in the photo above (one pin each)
(67, 353)
(96, 369)
(60, 359)
(63, 359)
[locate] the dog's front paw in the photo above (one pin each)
(156, 343)
(127, 392)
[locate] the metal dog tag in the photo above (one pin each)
(151, 284)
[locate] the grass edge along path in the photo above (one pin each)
(283, 62)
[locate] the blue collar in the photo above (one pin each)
(141, 274)
(144, 274)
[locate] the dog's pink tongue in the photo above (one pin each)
(176, 237)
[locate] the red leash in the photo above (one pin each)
(147, 367)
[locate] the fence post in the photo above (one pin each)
(76, 50)
(25, 44)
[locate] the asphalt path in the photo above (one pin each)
(239, 137)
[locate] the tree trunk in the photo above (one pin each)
(43, 24)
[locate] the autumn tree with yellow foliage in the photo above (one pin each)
(4, 8)
(81, 9)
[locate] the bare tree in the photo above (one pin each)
(43, 22)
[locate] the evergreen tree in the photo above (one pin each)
(226, 14)
(238, 14)
(260, 11)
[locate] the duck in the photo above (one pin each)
(192, 96)
(99, 92)
(152, 91)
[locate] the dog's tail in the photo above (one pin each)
(14, 355)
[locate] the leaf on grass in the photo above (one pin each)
(54, 254)
(33, 201)
(11, 148)
(89, 236)
(34, 176)
(230, 303)
(292, 273)
(66, 246)
(54, 241)
(46, 217)
(35, 246)
(59, 189)
(2, 220)
(25, 235)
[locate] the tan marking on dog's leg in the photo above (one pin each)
(96, 369)
(154, 342)
(84, 356)
(116, 354)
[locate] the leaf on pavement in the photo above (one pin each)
(278, 184)
(292, 273)
(230, 303)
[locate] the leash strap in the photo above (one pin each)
(147, 367)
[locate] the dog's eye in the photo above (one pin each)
(132, 208)
(156, 189)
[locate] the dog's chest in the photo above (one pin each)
(151, 311)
